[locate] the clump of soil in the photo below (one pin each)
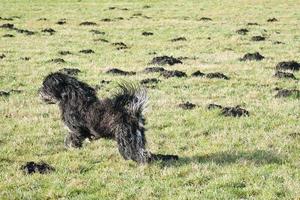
(242, 31)
(87, 23)
(147, 33)
(119, 18)
(8, 26)
(120, 72)
(57, 60)
(7, 18)
(32, 167)
(252, 56)
(63, 53)
(205, 19)
(280, 74)
(101, 40)
(87, 51)
(187, 105)
(61, 22)
(146, 6)
(8, 35)
(234, 112)
(272, 20)
(102, 84)
(70, 71)
(216, 75)
(49, 30)
(26, 32)
(97, 32)
(288, 93)
(197, 74)
(2, 56)
(174, 73)
(106, 20)
(165, 60)
(153, 69)
(25, 58)
(149, 81)
(42, 19)
(4, 93)
(278, 42)
(258, 38)
(178, 39)
(120, 45)
(252, 24)
(288, 65)
(213, 106)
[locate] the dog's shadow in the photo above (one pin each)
(258, 157)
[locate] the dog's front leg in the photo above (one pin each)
(73, 140)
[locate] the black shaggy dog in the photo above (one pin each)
(119, 118)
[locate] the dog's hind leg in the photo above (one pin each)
(131, 144)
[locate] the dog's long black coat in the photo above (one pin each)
(119, 118)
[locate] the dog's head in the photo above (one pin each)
(53, 87)
(58, 86)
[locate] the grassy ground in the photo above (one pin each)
(254, 157)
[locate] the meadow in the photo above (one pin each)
(220, 157)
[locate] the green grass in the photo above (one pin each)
(254, 157)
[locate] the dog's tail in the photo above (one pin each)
(131, 97)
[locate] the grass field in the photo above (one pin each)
(255, 157)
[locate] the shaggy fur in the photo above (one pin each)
(119, 118)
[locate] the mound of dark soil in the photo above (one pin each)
(146, 6)
(63, 53)
(258, 38)
(61, 22)
(119, 72)
(272, 20)
(57, 60)
(32, 167)
(252, 24)
(252, 56)
(42, 19)
(2, 56)
(25, 58)
(287, 93)
(4, 93)
(214, 106)
(147, 33)
(6, 18)
(278, 42)
(97, 32)
(242, 31)
(153, 69)
(119, 18)
(87, 23)
(87, 51)
(106, 20)
(8, 26)
(174, 73)
(149, 81)
(70, 71)
(280, 74)
(197, 74)
(234, 112)
(216, 75)
(24, 31)
(288, 65)
(178, 39)
(120, 45)
(101, 40)
(187, 105)
(165, 60)
(205, 19)
(8, 35)
(49, 30)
